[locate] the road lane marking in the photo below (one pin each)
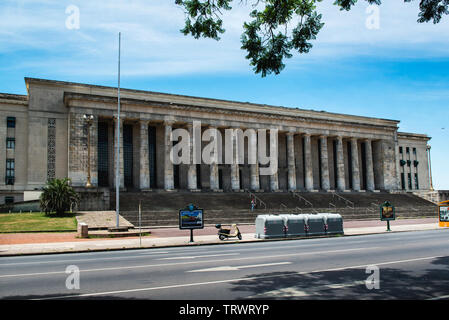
(232, 280)
(236, 268)
(195, 257)
(187, 263)
(77, 260)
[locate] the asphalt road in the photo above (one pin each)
(408, 265)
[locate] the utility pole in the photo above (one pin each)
(117, 169)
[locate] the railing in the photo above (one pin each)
(257, 199)
(348, 203)
(283, 206)
(295, 194)
(307, 202)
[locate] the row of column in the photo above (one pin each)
(324, 162)
(274, 182)
(254, 168)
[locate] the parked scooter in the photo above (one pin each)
(224, 233)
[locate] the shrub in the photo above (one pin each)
(58, 196)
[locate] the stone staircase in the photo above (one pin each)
(161, 208)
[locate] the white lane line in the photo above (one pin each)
(236, 268)
(233, 280)
(187, 263)
(197, 257)
(78, 260)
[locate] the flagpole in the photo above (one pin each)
(117, 169)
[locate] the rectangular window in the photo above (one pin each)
(416, 182)
(10, 171)
(10, 143)
(407, 150)
(9, 200)
(402, 181)
(11, 122)
(409, 181)
(414, 151)
(400, 149)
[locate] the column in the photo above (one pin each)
(144, 156)
(191, 172)
(291, 161)
(254, 168)
(168, 164)
(325, 182)
(355, 165)
(122, 160)
(308, 162)
(369, 166)
(214, 180)
(235, 172)
(341, 184)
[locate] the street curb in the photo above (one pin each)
(208, 244)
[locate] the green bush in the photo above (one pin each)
(58, 196)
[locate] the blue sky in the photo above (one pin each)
(398, 71)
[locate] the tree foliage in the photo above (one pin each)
(278, 26)
(58, 196)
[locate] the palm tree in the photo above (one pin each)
(58, 196)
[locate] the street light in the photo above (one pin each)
(89, 119)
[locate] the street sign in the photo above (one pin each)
(387, 213)
(443, 214)
(191, 218)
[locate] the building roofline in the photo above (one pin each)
(199, 99)
(413, 135)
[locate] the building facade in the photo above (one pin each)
(61, 129)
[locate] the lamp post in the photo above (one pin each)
(430, 166)
(88, 118)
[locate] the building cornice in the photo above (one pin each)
(70, 97)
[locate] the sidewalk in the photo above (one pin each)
(38, 243)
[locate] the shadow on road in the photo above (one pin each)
(349, 284)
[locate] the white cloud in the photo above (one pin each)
(151, 36)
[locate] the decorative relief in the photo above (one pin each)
(51, 149)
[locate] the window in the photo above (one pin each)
(414, 151)
(410, 181)
(9, 200)
(11, 122)
(10, 143)
(407, 150)
(416, 182)
(10, 171)
(400, 149)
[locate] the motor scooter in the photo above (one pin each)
(225, 233)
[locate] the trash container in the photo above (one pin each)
(295, 225)
(333, 223)
(269, 226)
(315, 225)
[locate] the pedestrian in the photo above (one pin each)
(253, 204)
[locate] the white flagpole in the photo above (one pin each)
(117, 170)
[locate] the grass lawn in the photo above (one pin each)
(36, 221)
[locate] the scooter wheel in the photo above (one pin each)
(239, 236)
(221, 237)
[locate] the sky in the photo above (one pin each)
(381, 64)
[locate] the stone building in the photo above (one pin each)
(44, 135)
